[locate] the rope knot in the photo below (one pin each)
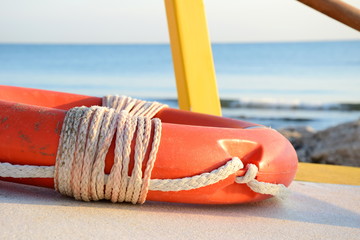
(261, 187)
(250, 174)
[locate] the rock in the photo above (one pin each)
(338, 145)
(297, 135)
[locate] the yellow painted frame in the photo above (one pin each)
(324, 173)
(192, 57)
(196, 81)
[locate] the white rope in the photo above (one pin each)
(26, 171)
(133, 106)
(198, 181)
(84, 142)
(164, 185)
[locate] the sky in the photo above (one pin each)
(144, 21)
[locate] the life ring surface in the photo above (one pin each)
(191, 144)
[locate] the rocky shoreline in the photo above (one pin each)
(339, 145)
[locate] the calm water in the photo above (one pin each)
(276, 84)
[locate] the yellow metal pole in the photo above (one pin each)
(192, 56)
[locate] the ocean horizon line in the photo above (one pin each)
(168, 43)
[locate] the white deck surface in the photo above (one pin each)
(311, 211)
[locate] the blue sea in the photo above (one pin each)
(315, 84)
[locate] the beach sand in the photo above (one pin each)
(311, 211)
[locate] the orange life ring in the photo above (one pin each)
(191, 144)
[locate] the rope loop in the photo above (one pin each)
(84, 143)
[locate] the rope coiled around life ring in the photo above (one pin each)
(85, 139)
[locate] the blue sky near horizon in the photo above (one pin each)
(144, 21)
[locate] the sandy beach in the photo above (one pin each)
(311, 211)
